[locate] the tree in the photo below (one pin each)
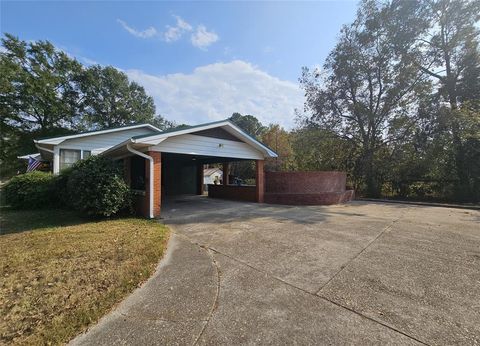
(365, 93)
(109, 99)
(163, 124)
(441, 38)
(38, 85)
(279, 140)
(38, 96)
(248, 123)
(44, 92)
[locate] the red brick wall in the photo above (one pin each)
(157, 178)
(237, 193)
(304, 182)
(142, 203)
(306, 188)
(321, 198)
(260, 181)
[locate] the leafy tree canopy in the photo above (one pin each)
(248, 123)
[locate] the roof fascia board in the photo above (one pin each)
(58, 140)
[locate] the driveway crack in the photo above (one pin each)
(211, 250)
(217, 294)
(370, 243)
(317, 296)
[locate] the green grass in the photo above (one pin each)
(61, 273)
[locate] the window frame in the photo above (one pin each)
(82, 156)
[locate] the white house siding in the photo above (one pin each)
(96, 143)
(207, 146)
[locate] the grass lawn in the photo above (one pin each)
(59, 273)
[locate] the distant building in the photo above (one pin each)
(209, 176)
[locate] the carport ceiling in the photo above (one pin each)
(197, 158)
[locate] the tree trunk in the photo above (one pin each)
(370, 176)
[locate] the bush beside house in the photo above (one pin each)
(30, 191)
(94, 187)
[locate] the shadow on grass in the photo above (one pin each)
(15, 221)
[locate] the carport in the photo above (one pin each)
(171, 163)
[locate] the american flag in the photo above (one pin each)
(33, 164)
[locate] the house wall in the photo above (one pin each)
(210, 179)
(207, 146)
(96, 143)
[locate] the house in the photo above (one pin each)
(158, 164)
(212, 175)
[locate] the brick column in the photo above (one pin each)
(226, 172)
(259, 180)
(156, 181)
(200, 179)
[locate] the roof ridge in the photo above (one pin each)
(181, 128)
(93, 131)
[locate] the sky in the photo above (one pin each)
(200, 61)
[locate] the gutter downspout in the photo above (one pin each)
(136, 152)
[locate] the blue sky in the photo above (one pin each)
(200, 61)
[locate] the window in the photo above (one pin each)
(68, 157)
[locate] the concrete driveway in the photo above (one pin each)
(361, 273)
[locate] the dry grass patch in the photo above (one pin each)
(58, 280)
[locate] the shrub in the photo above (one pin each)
(96, 187)
(30, 191)
(59, 188)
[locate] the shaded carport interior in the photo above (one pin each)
(182, 174)
(169, 164)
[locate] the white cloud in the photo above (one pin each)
(174, 33)
(147, 33)
(202, 38)
(213, 92)
(182, 24)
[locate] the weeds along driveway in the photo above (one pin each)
(240, 273)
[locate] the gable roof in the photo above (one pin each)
(210, 171)
(156, 138)
(58, 140)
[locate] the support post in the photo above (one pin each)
(200, 179)
(259, 180)
(226, 172)
(156, 181)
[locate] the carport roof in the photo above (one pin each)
(227, 125)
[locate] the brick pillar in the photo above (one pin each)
(156, 181)
(200, 179)
(260, 180)
(226, 172)
(127, 170)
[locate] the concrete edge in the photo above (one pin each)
(120, 306)
(426, 204)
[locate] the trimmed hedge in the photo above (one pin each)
(30, 190)
(96, 187)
